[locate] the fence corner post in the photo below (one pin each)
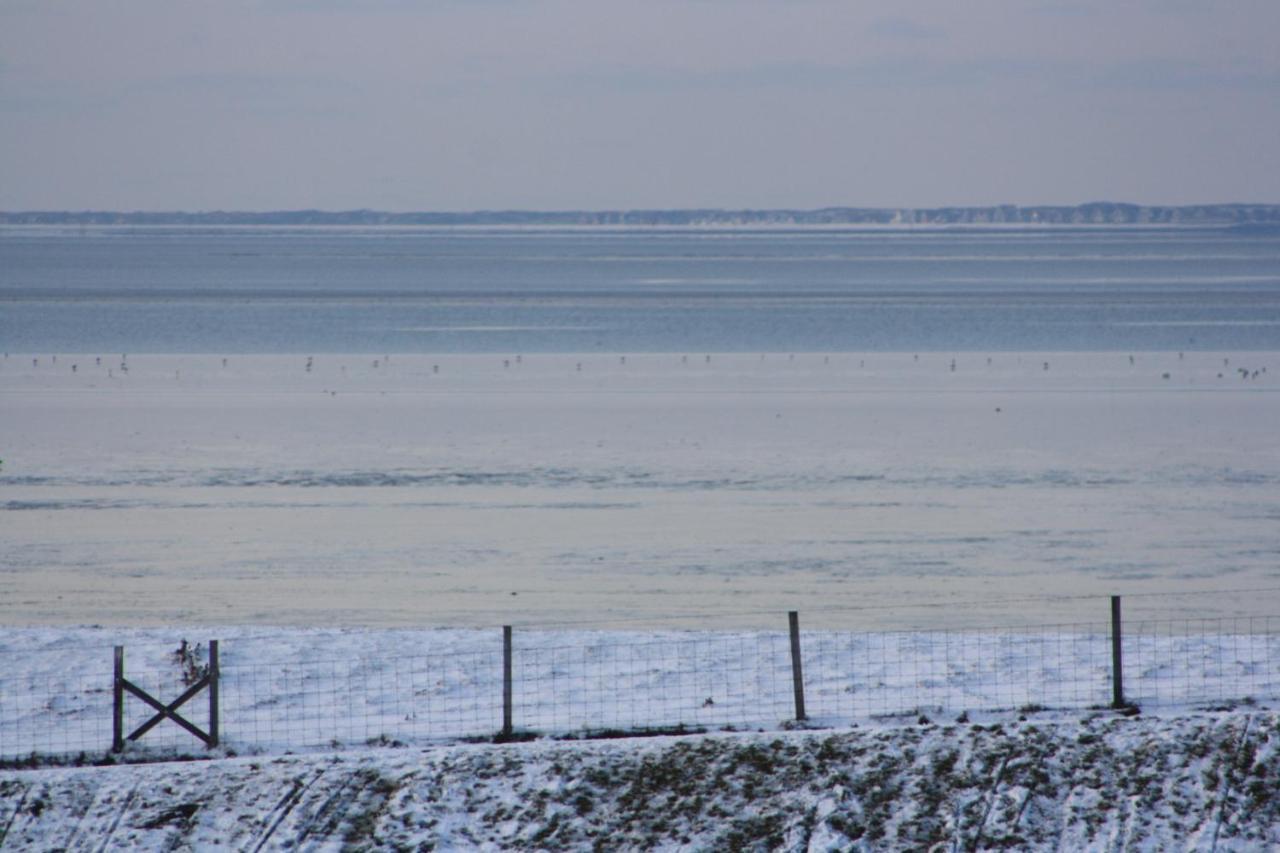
(117, 702)
(507, 727)
(214, 674)
(797, 676)
(1117, 656)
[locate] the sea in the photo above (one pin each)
(682, 428)
(457, 290)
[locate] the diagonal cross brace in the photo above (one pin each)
(169, 711)
(122, 685)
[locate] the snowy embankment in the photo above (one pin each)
(1103, 782)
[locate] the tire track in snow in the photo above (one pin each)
(17, 809)
(286, 805)
(1226, 784)
(352, 784)
(992, 793)
(115, 821)
(85, 814)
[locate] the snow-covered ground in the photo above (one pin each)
(291, 690)
(875, 490)
(1202, 782)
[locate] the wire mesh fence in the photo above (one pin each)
(54, 714)
(865, 675)
(362, 701)
(284, 695)
(703, 680)
(1175, 662)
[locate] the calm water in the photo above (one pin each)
(176, 290)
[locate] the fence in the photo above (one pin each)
(290, 692)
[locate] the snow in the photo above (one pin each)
(291, 690)
(1198, 782)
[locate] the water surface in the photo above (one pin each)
(329, 290)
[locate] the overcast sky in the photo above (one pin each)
(554, 104)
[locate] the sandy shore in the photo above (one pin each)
(866, 490)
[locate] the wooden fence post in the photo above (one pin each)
(1117, 656)
(506, 680)
(797, 677)
(213, 693)
(117, 703)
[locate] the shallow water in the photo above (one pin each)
(682, 428)
(387, 290)
(866, 490)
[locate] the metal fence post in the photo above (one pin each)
(213, 693)
(117, 703)
(1117, 662)
(506, 680)
(797, 677)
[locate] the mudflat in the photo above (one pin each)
(868, 490)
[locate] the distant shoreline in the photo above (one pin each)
(1093, 215)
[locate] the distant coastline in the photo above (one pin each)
(1095, 214)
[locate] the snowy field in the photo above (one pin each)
(668, 491)
(325, 689)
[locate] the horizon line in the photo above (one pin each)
(648, 209)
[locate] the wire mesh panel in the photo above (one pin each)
(703, 680)
(55, 715)
(1172, 662)
(329, 703)
(862, 675)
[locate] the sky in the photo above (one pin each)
(595, 104)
